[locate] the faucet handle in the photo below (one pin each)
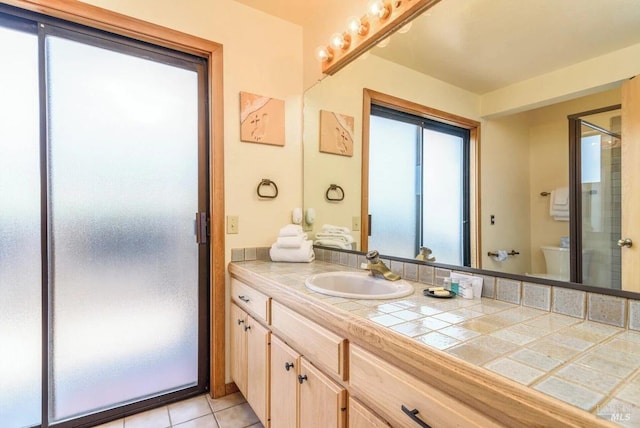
(372, 256)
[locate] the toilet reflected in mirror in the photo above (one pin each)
(557, 262)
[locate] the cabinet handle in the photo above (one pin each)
(247, 327)
(288, 366)
(240, 321)
(413, 414)
(301, 378)
(244, 299)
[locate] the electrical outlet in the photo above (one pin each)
(232, 224)
(355, 223)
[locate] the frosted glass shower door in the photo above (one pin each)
(20, 241)
(123, 192)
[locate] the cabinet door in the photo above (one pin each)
(284, 384)
(322, 401)
(257, 369)
(238, 348)
(361, 417)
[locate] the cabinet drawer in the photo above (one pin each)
(250, 300)
(390, 390)
(361, 417)
(318, 344)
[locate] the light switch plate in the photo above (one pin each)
(355, 223)
(232, 224)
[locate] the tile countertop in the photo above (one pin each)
(592, 366)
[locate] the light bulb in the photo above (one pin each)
(405, 28)
(378, 9)
(357, 26)
(340, 41)
(324, 54)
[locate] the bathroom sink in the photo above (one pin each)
(357, 285)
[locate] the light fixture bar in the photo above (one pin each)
(383, 17)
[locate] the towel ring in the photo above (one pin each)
(337, 189)
(268, 183)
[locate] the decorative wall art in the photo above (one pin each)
(261, 119)
(336, 133)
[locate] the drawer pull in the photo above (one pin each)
(244, 299)
(288, 366)
(301, 378)
(240, 321)
(247, 327)
(413, 415)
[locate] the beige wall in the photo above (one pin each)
(504, 182)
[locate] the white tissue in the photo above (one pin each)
(501, 256)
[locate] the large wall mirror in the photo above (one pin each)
(549, 85)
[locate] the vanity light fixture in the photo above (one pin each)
(357, 26)
(340, 41)
(324, 54)
(379, 9)
(382, 18)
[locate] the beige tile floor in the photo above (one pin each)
(202, 411)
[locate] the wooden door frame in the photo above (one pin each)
(103, 19)
(378, 98)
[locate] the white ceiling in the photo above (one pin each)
(483, 45)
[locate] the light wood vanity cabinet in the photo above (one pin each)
(250, 355)
(303, 396)
(361, 417)
(323, 403)
(285, 365)
(324, 348)
(404, 400)
(264, 366)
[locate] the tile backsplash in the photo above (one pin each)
(600, 308)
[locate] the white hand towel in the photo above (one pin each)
(304, 254)
(560, 196)
(559, 204)
(332, 228)
(291, 230)
(291, 241)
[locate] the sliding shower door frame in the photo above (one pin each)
(208, 88)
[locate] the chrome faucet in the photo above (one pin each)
(378, 268)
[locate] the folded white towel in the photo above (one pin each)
(335, 236)
(560, 196)
(332, 228)
(291, 241)
(333, 243)
(291, 230)
(559, 204)
(304, 254)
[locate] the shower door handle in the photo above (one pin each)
(625, 242)
(202, 226)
